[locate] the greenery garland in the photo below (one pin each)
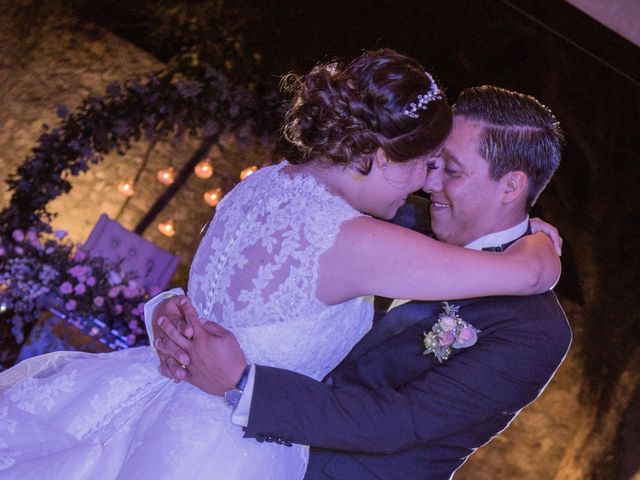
(186, 98)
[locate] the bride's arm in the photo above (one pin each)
(375, 257)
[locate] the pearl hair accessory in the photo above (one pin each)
(434, 93)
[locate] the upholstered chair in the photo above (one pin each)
(153, 265)
(60, 330)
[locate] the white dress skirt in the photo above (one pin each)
(73, 415)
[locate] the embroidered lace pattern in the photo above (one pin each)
(256, 272)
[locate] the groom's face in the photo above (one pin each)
(465, 201)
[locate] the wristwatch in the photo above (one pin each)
(233, 395)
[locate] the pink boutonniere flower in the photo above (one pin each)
(449, 332)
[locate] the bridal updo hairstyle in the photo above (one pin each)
(344, 114)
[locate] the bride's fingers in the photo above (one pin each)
(165, 370)
(178, 371)
(552, 232)
(172, 369)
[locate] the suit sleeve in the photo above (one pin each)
(501, 373)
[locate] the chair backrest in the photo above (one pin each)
(153, 265)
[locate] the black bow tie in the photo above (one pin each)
(504, 246)
(497, 248)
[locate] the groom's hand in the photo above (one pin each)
(172, 327)
(200, 352)
(217, 360)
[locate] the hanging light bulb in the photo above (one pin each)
(166, 176)
(204, 168)
(213, 197)
(126, 188)
(247, 171)
(167, 228)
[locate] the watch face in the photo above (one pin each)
(232, 397)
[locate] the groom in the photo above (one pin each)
(388, 411)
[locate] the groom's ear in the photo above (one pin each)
(514, 186)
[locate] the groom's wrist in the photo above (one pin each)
(242, 412)
(242, 381)
(233, 395)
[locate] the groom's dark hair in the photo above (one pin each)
(519, 133)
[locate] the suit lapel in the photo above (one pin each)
(398, 335)
(393, 323)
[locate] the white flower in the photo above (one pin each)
(447, 322)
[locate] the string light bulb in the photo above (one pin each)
(167, 228)
(126, 188)
(247, 171)
(204, 169)
(166, 176)
(213, 197)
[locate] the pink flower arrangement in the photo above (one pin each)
(449, 332)
(39, 272)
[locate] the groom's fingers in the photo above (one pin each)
(171, 342)
(214, 329)
(190, 316)
(172, 369)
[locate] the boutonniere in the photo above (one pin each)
(449, 332)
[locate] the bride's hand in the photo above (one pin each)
(552, 232)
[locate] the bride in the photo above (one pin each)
(286, 264)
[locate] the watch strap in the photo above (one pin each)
(242, 381)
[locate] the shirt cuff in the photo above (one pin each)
(241, 413)
(151, 305)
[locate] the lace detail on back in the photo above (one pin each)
(256, 272)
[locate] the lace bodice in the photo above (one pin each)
(256, 273)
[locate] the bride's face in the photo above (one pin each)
(392, 182)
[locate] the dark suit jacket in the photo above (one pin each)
(390, 412)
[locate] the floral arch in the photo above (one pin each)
(39, 266)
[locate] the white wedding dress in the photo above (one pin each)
(72, 415)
